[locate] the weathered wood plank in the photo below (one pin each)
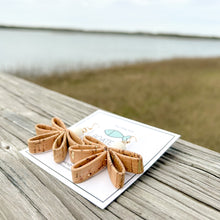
(183, 184)
(141, 207)
(196, 162)
(161, 201)
(26, 191)
(194, 207)
(122, 212)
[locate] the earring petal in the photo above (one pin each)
(73, 138)
(79, 152)
(116, 169)
(60, 148)
(58, 124)
(87, 167)
(42, 129)
(43, 142)
(133, 162)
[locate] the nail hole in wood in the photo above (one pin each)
(7, 147)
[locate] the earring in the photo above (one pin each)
(122, 144)
(80, 131)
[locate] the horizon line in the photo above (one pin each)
(97, 31)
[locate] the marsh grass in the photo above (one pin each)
(179, 95)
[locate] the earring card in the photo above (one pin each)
(150, 142)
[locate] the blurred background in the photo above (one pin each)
(157, 62)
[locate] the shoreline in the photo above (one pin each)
(62, 71)
(84, 31)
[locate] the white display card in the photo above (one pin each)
(149, 142)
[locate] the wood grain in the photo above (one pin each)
(183, 184)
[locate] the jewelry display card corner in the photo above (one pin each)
(150, 142)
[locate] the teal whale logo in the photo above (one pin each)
(117, 134)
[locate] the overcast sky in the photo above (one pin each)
(175, 16)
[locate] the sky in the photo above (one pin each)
(197, 17)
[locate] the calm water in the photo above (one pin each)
(44, 51)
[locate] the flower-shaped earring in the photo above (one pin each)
(56, 137)
(93, 156)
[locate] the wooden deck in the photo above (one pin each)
(183, 184)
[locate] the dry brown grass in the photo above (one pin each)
(180, 95)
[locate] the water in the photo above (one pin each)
(43, 51)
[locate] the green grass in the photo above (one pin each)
(179, 95)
